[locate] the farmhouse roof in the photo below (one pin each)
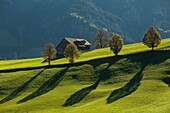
(72, 40)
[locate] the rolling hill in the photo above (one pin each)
(135, 81)
(26, 25)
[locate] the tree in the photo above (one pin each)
(152, 38)
(101, 38)
(49, 52)
(71, 52)
(116, 44)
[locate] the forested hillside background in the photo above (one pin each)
(26, 25)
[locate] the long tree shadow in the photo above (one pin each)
(167, 80)
(81, 94)
(47, 86)
(20, 89)
(103, 75)
(110, 60)
(143, 57)
(130, 87)
(149, 57)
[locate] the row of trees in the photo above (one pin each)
(71, 53)
(151, 38)
(102, 40)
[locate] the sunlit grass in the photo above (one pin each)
(94, 54)
(152, 96)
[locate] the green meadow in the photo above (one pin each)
(136, 81)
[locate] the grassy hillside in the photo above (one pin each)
(94, 54)
(130, 83)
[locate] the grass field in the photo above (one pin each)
(94, 54)
(132, 83)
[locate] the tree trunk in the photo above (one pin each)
(101, 45)
(49, 61)
(153, 43)
(152, 47)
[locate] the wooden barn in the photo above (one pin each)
(81, 44)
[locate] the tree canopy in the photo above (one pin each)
(152, 38)
(71, 52)
(116, 43)
(49, 52)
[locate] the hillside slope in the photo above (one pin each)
(132, 82)
(26, 25)
(90, 55)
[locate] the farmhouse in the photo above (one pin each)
(81, 44)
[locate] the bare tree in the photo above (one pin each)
(101, 38)
(49, 52)
(2, 57)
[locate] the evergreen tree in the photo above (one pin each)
(152, 38)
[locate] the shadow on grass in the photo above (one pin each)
(129, 88)
(110, 60)
(167, 80)
(167, 72)
(147, 57)
(81, 94)
(47, 86)
(20, 89)
(102, 76)
(150, 57)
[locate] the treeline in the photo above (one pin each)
(151, 39)
(102, 39)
